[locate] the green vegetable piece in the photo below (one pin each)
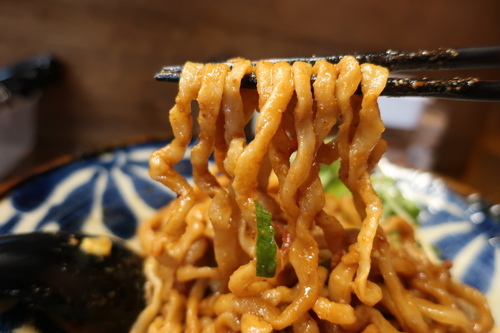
(266, 245)
(328, 175)
(394, 202)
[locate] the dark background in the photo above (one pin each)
(111, 50)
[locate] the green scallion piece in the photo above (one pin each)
(266, 245)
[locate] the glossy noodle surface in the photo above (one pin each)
(338, 268)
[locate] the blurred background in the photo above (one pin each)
(110, 50)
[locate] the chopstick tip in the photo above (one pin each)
(167, 76)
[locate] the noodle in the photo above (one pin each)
(337, 268)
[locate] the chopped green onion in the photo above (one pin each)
(266, 245)
(393, 201)
(328, 175)
(437, 252)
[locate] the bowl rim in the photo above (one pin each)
(9, 185)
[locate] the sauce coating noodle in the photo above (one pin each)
(338, 268)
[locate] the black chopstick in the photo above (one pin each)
(439, 59)
(470, 89)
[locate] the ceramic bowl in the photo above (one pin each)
(111, 192)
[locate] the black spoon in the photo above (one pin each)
(52, 277)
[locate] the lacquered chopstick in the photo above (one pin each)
(439, 59)
(443, 58)
(470, 89)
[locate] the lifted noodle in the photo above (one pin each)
(204, 242)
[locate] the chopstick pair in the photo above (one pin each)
(439, 59)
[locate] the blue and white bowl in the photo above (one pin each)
(461, 232)
(109, 193)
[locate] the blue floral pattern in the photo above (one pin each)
(111, 192)
(108, 193)
(459, 232)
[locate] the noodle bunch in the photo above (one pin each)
(337, 268)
